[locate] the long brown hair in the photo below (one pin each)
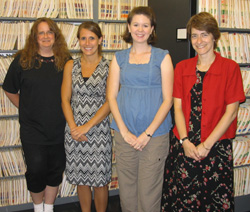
(31, 48)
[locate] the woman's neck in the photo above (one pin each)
(206, 59)
(140, 48)
(204, 62)
(46, 53)
(91, 59)
(140, 54)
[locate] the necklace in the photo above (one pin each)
(45, 60)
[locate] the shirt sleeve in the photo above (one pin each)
(12, 79)
(234, 86)
(159, 55)
(177, 92)
(120, 56)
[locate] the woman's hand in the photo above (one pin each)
(202, 150)
(190, 150)
(141, 141)
(130, 138)
(78, 133)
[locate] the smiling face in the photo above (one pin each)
(89, 42)
(140, 28)
(45, 37)
(202, 41)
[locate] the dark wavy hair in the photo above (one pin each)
(93, 27)
(204, 21)
(29, 53)
(148, 12)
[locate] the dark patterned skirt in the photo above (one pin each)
(204, 186)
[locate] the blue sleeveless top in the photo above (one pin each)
(140, 94)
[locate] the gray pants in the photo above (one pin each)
(140, 173)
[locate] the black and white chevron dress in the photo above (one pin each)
(89, 163)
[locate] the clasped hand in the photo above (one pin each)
(137, 143)
(78, 133)
(195, 152)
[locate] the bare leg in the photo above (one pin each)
(50, 194)
(37, 197)
(38, 201)
(85, 197)
(101, 198)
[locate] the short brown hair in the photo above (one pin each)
(148, 12)
(93, 27)
(204, 21)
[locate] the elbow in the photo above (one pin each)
(108, 99)
(172, 102)
(234, 115)
(232, 110)
(235, 111)
(62, 105)
(108, 107)
(169, 102)
(64, 102)
(106, 104)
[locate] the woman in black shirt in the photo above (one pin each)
(33, 84)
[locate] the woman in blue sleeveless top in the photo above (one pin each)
(144, 75)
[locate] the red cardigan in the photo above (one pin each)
(222, 85)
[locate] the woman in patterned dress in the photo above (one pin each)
(87, 133)
(207, 92)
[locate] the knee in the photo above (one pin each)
(36, 166)
(101, 189)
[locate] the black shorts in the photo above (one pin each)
(45, 165)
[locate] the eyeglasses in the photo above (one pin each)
(48, 33)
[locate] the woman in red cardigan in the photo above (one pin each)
(207, 92)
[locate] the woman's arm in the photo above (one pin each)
(189, 148)
(101, 114)
(222, 126)
(167, 76)
(234, 89)
(14, 98)
(112, 92)
(66, 92)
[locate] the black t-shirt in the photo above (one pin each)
(40, 113)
